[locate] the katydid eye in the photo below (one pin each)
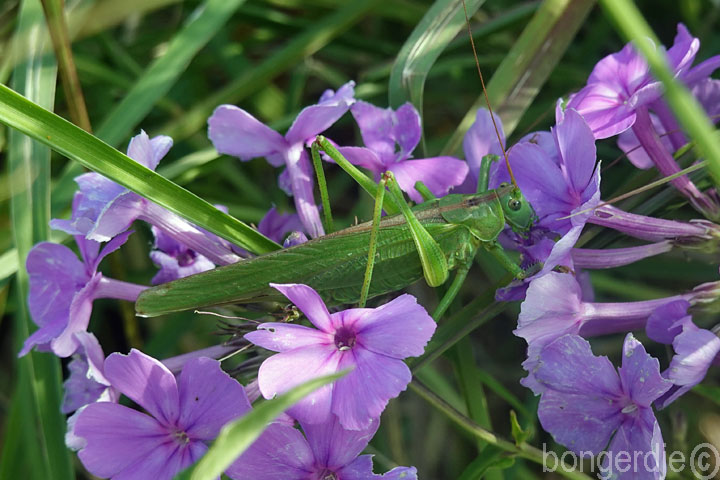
(504, 184)
(514, 204)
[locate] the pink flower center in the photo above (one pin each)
(344, 339)
(326, 474)
(181, 437)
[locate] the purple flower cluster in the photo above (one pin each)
(187, 399)
(584, 403)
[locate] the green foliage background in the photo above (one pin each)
(164, 65)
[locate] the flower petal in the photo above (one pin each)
(604, 111)
(300, 173)
(637, 451)
(315, 119)
(576, 146)
(406, 129)
(148, 152)
(696, 349)
(333, 446)
(398, 329)
(568, 365)
(118, 437)
(581, 405)
(439, 174)
(209, 398)
(117, 216)
(481, 140)
(376, 127)
(145, 381)
(666, 322)
(552, 308)
(281, 337)
(640, 374)
(55, 275)
(364, 157)
(362, 395)
(235, 132)
(65, 343)
(286, 370)
(281, 452)
(309, 302)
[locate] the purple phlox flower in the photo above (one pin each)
(619, 95)
(102, 209)
(326, 451)
(62, 290)
(586, 404)
(390, 136)
(621, 83)
(558, 181)
(561, 181)
(235, 132)
(696, 349)
(87, 383)
(174, 259)
(553, 307)
(371, 341)
(184, 415)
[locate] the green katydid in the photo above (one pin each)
(334, 265)
(373, 258)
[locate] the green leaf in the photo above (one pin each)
(238, 435)
(76, 144)
(518, 433)
(438, 27)
(522, 73)
(162, 74)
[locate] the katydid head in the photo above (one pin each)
(518, 212)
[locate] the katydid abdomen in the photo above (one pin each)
(334, 265)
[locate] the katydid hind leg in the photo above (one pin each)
(432, 258)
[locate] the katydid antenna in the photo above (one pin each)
(487, 100)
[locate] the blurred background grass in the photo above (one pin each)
(273, 58)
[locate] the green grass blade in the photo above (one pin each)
(518, 79)
(688, 110)
(237, 436)
(8, 264)
(39, 375)
(55, 16)
(301, 46)
(76, 144)
(162, 74)
(442, 22)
